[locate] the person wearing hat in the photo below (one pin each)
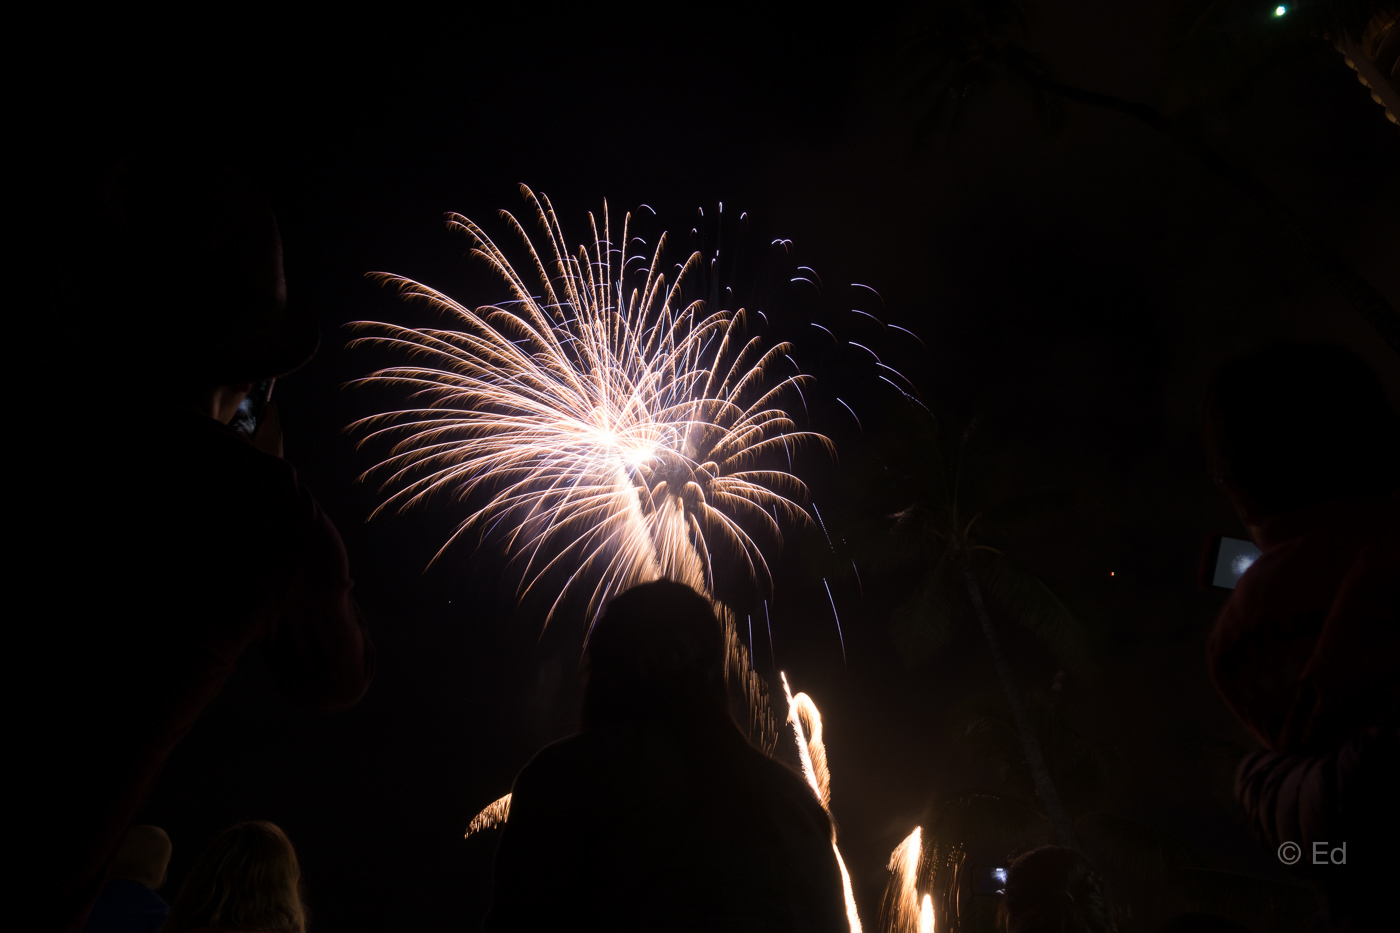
(161, 542)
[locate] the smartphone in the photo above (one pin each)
(250, 411)
(991, 879)
(1226, 560)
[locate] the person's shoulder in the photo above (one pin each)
(775, 770)
(200, 435)
(210, 469)
(567, 781)
(570, 753)
(1373, 579)
(787, 785)
(121, 901)
(1306, 556)
(129, 892)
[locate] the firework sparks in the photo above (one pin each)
(806, 722)
(596, 420)
(904, 864)
(921, 863)
(835, 616)
(494, 815)
(613, 426)
(852, 915)
(599, 420)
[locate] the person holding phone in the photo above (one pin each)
(162, 543)
(1306, 652)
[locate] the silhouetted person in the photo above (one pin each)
(1055, 890)
(659, 814)
(160, 543)
(1307, 650)
(247, 881)
(129, 902)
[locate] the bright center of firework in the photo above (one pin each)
(631, 451)
(607, 427)
(638, 455)
(606, 439)
(1280, 10)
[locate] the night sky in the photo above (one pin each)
(1073, 289)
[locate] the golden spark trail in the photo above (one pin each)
(904, 863)
(911, 860)
(812, 752)
(494, 815)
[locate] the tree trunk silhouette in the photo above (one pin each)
(1357, 291)
(1030, 746)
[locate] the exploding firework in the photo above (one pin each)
(607, 429)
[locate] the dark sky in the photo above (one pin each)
(1076, 288)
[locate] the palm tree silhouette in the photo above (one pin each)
(967, 45)
(940, 537)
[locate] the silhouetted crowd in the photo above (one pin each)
(167, 538)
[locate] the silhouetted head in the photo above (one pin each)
(1055, 890)
(248, 879)
(143, 857)
(177, 268)
(1291, 425)
(657, 651)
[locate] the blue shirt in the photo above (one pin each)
(127, 907)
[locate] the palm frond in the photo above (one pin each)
(1081, 767)
(958, 47)
(1017, 597)
(927, 621)
(1025, 510)
(897, 543)
(980, 821)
